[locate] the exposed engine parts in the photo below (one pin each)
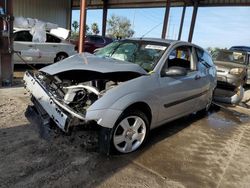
(76, 94)
(80, 97)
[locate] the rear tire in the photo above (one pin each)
(130, 132)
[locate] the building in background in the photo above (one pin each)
(54, 11)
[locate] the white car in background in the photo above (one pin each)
(53, 50)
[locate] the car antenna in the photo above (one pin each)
(150, 30)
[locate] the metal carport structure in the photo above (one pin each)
(109, 4)
(5, 53)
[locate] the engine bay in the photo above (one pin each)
(80, 92)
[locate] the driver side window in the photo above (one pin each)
(181, 57)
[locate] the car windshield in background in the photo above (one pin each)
(145, 54)
(229, 56)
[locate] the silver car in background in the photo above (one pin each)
(128, 88)
(231, 68)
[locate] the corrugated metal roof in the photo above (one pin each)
(159, 3)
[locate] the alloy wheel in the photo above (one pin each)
(129, 134)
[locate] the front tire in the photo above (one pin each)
(130, 132)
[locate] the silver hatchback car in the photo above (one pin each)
(128, 88)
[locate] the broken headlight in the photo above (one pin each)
(236, 71)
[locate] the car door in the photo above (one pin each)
(49, 49)
(93, 42)
(23, 43)
(179, 95)
(99, 41)
(206, 69)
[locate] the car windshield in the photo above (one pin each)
(145, 54)
(230, 56)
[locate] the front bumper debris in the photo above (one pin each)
(229, 81)
(61, 114)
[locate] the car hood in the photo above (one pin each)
(226, 66)
(90, 62)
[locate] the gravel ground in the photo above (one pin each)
(195, 151)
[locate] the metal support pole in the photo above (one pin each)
(182, 21)
(6, 43)
(192, 25)
(83, 15)
(165, 23)
(69, 16)
(104, 17)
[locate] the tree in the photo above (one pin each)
(87, 29)
(75, 32)
(75, 26)
(119, 27)
(95, 28)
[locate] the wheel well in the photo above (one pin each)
(61, 53)
(143, 107)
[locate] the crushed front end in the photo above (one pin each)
(68, 97)
(63, 102)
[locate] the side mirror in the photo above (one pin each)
(174, 71)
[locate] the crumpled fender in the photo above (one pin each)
(107, 117)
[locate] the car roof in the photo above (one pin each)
(109, 38)
(159, 40)
(164, 41)
(241, 48)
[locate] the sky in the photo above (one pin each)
(215, 27)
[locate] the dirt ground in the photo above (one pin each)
(195, 151)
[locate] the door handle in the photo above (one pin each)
(54, 46)
(197, 77)
(30, 46)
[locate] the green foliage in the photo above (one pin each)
(95, 28)
(75, 33)
(213, 51)
(75, 26)
(119, 27)
(87, 29)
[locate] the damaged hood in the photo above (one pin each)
(227, 66)
(90, 62)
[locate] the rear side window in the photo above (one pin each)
(52, 39)
(23, 36)
(96, 39)
(204, 58)
(108, 40)
(99, 40)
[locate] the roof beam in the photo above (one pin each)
(98, 4)
(193, 21)
(104, 17)
(165, 22)
(182, 21)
